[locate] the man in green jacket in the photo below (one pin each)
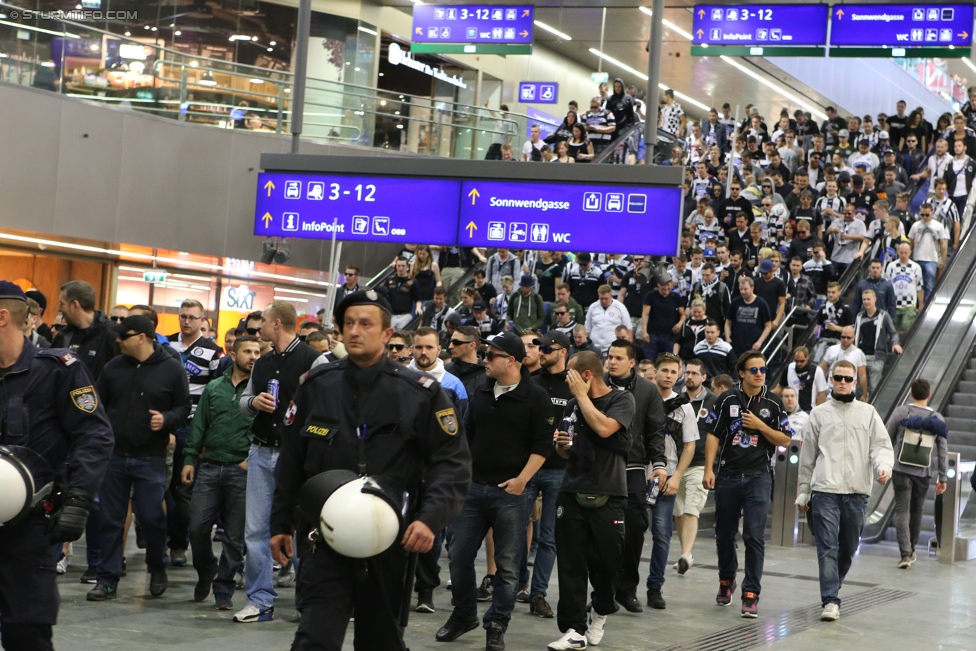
(526, 310)
(216, 460)
(564, 299)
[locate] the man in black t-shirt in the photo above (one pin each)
(750, 319)
(592, 499)
(634, 287)
(743, 431)
(771, 289)
(661, 320)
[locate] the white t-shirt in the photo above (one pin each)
(853, 355)
(527, 148)
(689, 432)
(938, 166)
(957, 166)
(927, 236)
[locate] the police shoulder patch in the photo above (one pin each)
(290, 413)
(85, 398)
(448, 421)
(68, 359)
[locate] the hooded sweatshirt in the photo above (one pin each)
(526, 311)
(622, 106)
(449, 382)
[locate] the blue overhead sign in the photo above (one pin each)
(912, 25)
(473, 24)
(762, 25)
(364, 208)
(565, 216)
(538, 92)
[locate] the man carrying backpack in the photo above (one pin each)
(919, 437)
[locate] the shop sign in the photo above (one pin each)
(397, 56)
(239, 298)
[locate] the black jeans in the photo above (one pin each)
(588, 547)
(910, 493)
(178, 498)
(637, 520)
(428, 566)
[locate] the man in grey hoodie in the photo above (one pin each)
(911, 482)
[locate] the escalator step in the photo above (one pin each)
(959, 425)
(966, 387)
(969, 376)
(961, 411)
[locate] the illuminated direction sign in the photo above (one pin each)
(538, 92)
(562, 216)
(760, 25)
(364, 208)
(471, 25)
(464, 203)
(911, 25)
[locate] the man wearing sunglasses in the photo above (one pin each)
(846, 448)
(350, 286)
(743, 432)
(400, 347)
(465, 364)
(118, 313)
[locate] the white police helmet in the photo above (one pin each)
(358, 517)
(20, 469)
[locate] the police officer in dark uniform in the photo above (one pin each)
(49, 405)
(366, 410)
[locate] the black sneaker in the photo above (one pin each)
(523, 596)
(495, 637)
(140, 537)
(90, 576)
(157, 583)
(655, 599)
(425, 602)
(223, 602)
(455, 628)
(487, 586)
(101, 592)
(202, 589)
(630, 603)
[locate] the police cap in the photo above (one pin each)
(368, 297)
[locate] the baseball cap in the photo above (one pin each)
(9, 290)
(844, 176)
(887, 150)
(139, 323)
(37, 296)
(709, 253)
(509, 342)
(765, 266)
(553, 337)
(843, 133)
(528, 280)
(882, 135)
(863, 141)
(479, 306)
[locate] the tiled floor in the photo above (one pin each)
(941, 612)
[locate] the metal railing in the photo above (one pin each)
(87, 63)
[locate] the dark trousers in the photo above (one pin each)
(147, 476)
(29, 598)
(428, 567)
(93, 528)
(910, 493)
(749, 496)
(331, 587)
(657, 344)
(636, 519)
(588, 545)
(838, 520)
(488, 507)
(178, 498)
(218, 492)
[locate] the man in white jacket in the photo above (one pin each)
(845, 447)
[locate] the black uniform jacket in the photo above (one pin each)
(412, 434)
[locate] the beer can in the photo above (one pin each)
(273, 387)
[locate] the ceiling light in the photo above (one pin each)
(254, 38)
(619, 64)
(93, 47)
(145, 27)
(177, 33)
(194, 64)
(552, 30)
(273, 43)
(207, 79)
(239, 37)
(256, 81)
(128, 33)
(793, 98)
(667, 23)
(367, 30)
(48, 64)
(154, 29)
(969, 63)
(270, 49)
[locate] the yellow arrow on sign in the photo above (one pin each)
(701, 13)
(267, 218)
(964, 34)
(840, 14)
(471, 227)
(474, 194)
(700, 33)
(420, 30)
(525, 13)
(524, 33)
(269, 186)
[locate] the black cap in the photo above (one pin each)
(857, 181)
(584, 258)
(137, 322)
(509, 342)
(369, 297)
(844, 176)
(37, 296)
(527, 280)
(454, 318)
(553, 337)
(479, 306)
(9, 290)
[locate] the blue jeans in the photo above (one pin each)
(929, 270)
(145, 478)
(837, 524)
(258, 565)
(218, 491)
(657, 344)
(547, 482)
(750, 496)
(488, 507)
(661, 528)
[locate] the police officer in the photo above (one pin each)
(49, 404)
(409, 432)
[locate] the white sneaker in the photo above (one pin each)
(831, 613)
(594, 628)
(251, 613)
(62, 564)
(685, 563)
(572, 640)
(286, 576)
